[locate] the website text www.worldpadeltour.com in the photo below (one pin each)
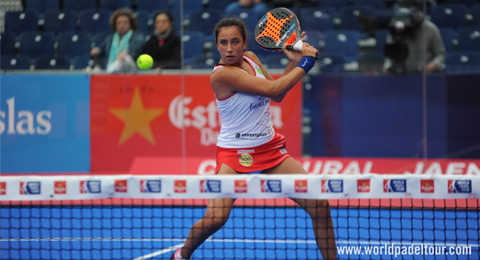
(405, 250)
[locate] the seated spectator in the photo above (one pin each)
(123, 45)
(257, 5)
(164, 45)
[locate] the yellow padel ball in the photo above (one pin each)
(144, 62)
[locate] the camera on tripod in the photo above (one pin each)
(402, 26)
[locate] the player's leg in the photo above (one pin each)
(319, 211)
(216, 215)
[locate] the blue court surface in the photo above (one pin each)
(133, 232)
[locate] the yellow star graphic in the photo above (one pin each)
(137, 119)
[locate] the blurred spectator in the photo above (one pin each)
(121, 47)
(164, 45)
(256, 5)
(414, 44)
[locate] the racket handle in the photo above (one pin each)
(297, 46)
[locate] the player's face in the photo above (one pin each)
(122, 24)
(230, 45)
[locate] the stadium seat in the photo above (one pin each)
(313, 37)
(73, 44)
(77, 5)
(203, 62)
(41, 6)
(33, 44)
(203, 20)
(152, 5)
(275, 61)
(476, 15)
(449, 37)
(449, 15)
(18, 22)
(188, 6)
(317, 19)
(342, 42)
(333, 3)
(462, 61)
(14, 63)
(46, 62)
(59, 21)
(99, 37)
(144, 23)
(115, 4)
(80, 62)
(7, 43)
(469, 39)
(377, 4)
(250, 17)
(94, 21)
(192, 45)
(468, 3)
(380, 40)
(332, 63)
(351, 16)
(217, 5)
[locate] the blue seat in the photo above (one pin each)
(469, 39)
(350, 15)
(203, 62)
(462, 61)
(46, 62)
(317, 19)
(73, 44)
(332, 63)
(98, 38)
(33, 44)
(333, 3)
(203, 20)
(249, 16)
(77, 5)
(144, 23)
(41, 6)
(217, 5)
(7, 43)
(377, 4)
(18, 22)
(94, 20)
(59, 21)
(275, 61)
(314, 37)
(476, 15)
(115, 4)
(80, 62)
(188, 6)
(152, 5)
(449, 36)
(192, 45)
(464, 2)
(449, 15)
(342, 42)
(380, 40)
(15, 63)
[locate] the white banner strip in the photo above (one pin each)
(13, 188)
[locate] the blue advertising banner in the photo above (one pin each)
(44, 123)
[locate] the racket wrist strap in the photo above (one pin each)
(306, 63)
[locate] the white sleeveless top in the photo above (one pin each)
(246, 120)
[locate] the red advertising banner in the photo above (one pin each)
(143, 123)
(330, 166)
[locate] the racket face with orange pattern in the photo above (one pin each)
(276, 28)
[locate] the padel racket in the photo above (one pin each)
(279, 27)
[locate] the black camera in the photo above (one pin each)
(403, 25)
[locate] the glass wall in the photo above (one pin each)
(394, 89)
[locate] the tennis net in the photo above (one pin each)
(149, 217)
